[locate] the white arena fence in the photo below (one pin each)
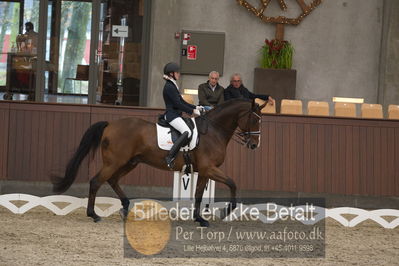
(73, 203)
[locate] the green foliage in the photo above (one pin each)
(277, 54)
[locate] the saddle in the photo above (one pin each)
(167, 135)
(174, 133)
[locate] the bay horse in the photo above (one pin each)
(127, 142)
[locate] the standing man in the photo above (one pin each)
(237, 90)
(31, 38)
(210, 93)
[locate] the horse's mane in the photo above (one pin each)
(228, 103)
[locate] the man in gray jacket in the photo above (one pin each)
(210, 93)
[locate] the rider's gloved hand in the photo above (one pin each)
(196, 112)
(200, 108)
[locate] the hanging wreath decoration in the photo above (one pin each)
(259, 12)
(280, 20)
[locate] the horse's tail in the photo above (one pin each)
(90, 141)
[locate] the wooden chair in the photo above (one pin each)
(318, 108)
(82, 74)
(345, 109)
(371, 111)
(188, 98)
(393, 111)
(293, 107)
(268, 109)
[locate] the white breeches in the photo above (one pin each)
(180, 126)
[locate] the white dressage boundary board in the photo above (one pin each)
(6, 201)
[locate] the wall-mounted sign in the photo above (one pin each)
(183, 52)
(192, 52)
(120, 31)
(186, 38)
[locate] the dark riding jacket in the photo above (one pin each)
(232, 93)
(175, 104)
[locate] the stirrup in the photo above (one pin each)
(170, 162)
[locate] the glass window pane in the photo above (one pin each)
(31, 13)
(9, 25)
(74, 47)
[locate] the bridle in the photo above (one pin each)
(241, 137)
(245, 136)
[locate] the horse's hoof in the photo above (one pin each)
(202, 222)
(95, 218)
(123, 213)
(223, 214)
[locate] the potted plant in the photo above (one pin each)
(277, 54)
(275, 76)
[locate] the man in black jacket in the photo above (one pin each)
(237, 90)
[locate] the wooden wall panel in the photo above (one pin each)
(396, 177)
(321, 160)
(312, 181)
(392, 162)
(341, 160)
(306, 185)
(42, 140)
(363, 160)
(299, 157)
(383, 182)
(369, 190)
(377, 177)
(278, 178)
(296, 153)
(4, 134)
(327, 173)
(355, 161)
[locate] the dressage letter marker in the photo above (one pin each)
(184, 188)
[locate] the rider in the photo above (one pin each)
(175, 105)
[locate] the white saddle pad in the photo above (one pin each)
(165, 138)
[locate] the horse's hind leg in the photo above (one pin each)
(95, 183)
(113, 182)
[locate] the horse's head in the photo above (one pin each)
(241, 113)
(249, 123)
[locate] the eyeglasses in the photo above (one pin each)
(236, 80)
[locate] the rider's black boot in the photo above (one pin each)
(175, 149)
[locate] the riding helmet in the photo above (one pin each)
(170, 68)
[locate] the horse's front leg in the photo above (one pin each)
(217, 175)
(199, 191)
